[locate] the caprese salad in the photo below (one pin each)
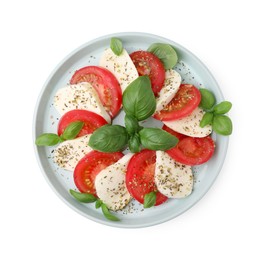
(158, 162)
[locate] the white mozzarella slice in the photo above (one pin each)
(68, 153)
(169, 89)
(172, 179)
(79, 96)
(111, 186)
(121, 66)
(190, 125)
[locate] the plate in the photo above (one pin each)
(192, 70)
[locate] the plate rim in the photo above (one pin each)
(37, 107)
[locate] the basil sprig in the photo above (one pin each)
(222, 124)
(131, 124)
(72, 130)
(215, 113)
(108, 214)
(89, 198)
(138, 99)
(83, 197)
(47, 139)
(222, 108)
(116, 46)
(150, 199)
(139, 103)
(206, 119)
(98, 203)
(166, 53)
(208, 99)
(134, 143)
(50, 139)
(113, 138)
(109, 138)
(157, 139)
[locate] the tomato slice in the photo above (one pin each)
(184, 102)
(149, 64)
(89, 166)
(140, 176)
(191, 150)
(91, 120)
(106, 85)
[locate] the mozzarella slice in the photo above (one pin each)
(173, 179)
(121, 66)
(110, 184)
(68, 153)
(190, 125)
(79, 96)
(169, 89)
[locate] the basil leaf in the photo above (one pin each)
(47, 140)
(132, 124)
(98, 203)
(109, 138)
(138, 99)
(208, 99)
(134, 143)
(222, 125)
(116, 46)
(166, 53)
(157, 139)
(222, 108)
(150, 199)
(206, 119)
(83, 197)
(72, 130)
(107, 213)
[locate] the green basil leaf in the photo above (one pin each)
(83, 197)
(138, 99)
(108, 214)
(166, 53)
(149, 199)
(98, 203)
(116, 46)
(206, 119)
(132, 124)
(157, 139)
(72, 130)
(134, 143)
(208, 99)
(109, 138)
(222, 125)
(222, 108)
(47, 140)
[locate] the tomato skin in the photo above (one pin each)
(184, 102)
(89, 166)
(91, 120)
(191, 150)
(149, 64)
(140, 176)
(106, 85)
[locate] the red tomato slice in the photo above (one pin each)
(89, 166)
(91, 120)
(140, 176)
(184, 102)
(106, 85)
(149, 64)
(191, 150)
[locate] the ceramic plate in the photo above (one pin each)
(192, 70)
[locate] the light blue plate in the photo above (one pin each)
(46, 118)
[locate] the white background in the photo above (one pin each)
(36, 36)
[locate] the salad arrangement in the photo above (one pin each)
(159, 164)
